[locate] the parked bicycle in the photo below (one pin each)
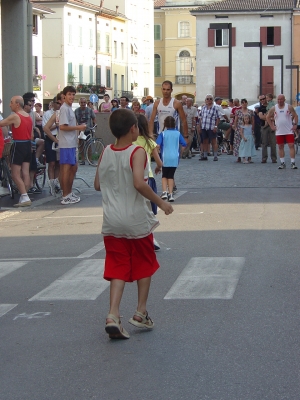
(90, 147)
(40, 175)
(5, 176)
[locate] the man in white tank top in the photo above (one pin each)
(283, 119)
(168, 106)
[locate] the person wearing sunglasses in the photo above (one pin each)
(50, 125)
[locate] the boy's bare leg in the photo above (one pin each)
(170, 185)
(116, 292)
(164, 184)
(143, 292)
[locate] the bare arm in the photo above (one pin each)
(96, 180)
(179, 108)
(11, 119)
(138, 162)
(68, 128)
(48, 126)
(152, 118)
(270, 118)
(294, 116)
(157, 159)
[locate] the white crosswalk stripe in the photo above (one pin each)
(5, 308)
(207, 278)
(83, 282)
(6, 267)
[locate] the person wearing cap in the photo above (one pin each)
(115, 104)
(144, 104)
(224, 124)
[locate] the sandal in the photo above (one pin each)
(146, 321)
(114, 329)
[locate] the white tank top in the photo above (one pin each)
(283, 120)
(126, 213)
(165, 111)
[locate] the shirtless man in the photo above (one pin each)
(280, 119)
(168, 106)
(22, 133)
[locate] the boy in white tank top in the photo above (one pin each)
(128, 221)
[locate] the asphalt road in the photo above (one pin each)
(225, 301)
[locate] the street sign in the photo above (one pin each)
(94, 98)
(298, 97)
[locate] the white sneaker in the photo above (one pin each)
(164, 195)
(171, 198)
(52, 188)
(69, 200)
(156, 245)
(40, 165)
(73, 195)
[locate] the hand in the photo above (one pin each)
(245, 140)
(81, 127)
(55, 140)
(157, 170)
(166, 207)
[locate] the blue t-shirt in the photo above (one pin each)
(297, 109)
(169, 142)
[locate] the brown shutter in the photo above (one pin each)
(211, 38)
(233, 36)
(263, 35)
(277, 35)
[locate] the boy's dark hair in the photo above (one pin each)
(168, 83)
(169, 122)
(69, 89)
(120, 122)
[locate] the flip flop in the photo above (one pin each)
(146, 321)
(114, 329)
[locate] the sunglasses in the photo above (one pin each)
(262, 98)
(208, 98)
(57, 102)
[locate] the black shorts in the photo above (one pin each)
(21, 152)
(50, 154)
(33, 164)
(208, 134)
(168, 172)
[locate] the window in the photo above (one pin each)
(157, 32)
(108, 83)
(80, 73)
(157, 65)
(35, 25)
(122, 83)
(70, 34)
(70, 68)
(270, 35)
(91, 38)
(98, 75)
(107, 49)
(98, 41)
(185, 63)
(122, 51)
(80, 36)
(35, 65)
(222, 37)
(116, 83)
(184, 29)
(91, 74)
(115, 49)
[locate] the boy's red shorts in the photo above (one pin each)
(129, 259)
(282, 139)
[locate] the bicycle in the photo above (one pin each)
(91, 147)
(40, 175)
(5, 176)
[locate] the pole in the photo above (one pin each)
(230, 60)
(282, 75)
(260, 68)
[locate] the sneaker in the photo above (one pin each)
(73, 195)
(189, 155)
(203, 159)
(69, 200)
(40, 165)
(82, 163)
(156, 245)
(164, 195)
(171, 198)
(174, 189)
(52, 188)
(282, 166)
(215, 158)
(34, 190)
(293, 166)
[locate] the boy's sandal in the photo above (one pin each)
(146, 321)
(114, 329)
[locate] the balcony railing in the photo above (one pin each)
(184, 79)
(89, 88)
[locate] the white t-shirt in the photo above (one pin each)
(283, 120)
(67, 139)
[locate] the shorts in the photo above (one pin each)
(152, 184)
(50, 154)
(282, 139)
(33, 164)
(208, 134)
(168, 172)
(68, 156)
(224, 126)
(21, 152)
(129, 259)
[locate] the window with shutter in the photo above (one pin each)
(220, 37)
(157, 65)
(157, 32)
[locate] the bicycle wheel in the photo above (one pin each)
(40, 178)
(93, 151)
(8, 179)
(81, 149)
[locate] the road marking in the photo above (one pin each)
(40, 314)
(195, 213)
(75, 216)
(6, 267)
(8, 214)
(83, 282)
(207, 278)
(92, 251)
(5, 308)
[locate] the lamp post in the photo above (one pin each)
(279, 58)
(297, 68)
(229, 27)
(257, 44)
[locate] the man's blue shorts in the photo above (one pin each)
(68, 156)
(208, 134)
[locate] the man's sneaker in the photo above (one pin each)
(40, 165)
(156, 245)
(189, 155)
(82, 163)
(215, 158)
(52, 188)
(35, 190)
(174, 189)
(73, 196)
(170, 198)
(69, 200)
(293, 166)
(203, 159)
(282, 166)
(164, 195)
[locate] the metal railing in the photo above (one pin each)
(184, 79)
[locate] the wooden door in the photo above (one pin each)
(222, 82)
(267, 80)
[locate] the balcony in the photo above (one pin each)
(184, 79)
(89, 88)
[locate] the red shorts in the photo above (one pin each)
(129, 259)
(282, 139)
